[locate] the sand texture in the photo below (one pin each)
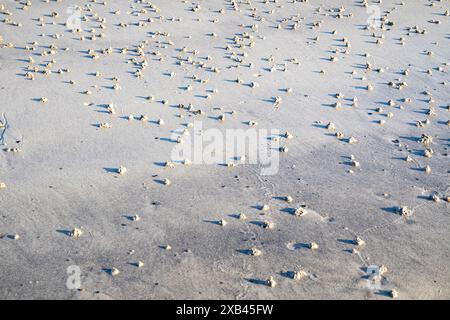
(94, 98)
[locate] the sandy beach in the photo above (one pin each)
(342, 191)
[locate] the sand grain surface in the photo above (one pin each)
(289, 65)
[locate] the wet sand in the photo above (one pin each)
(88, 121)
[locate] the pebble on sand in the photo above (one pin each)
(114, 271)
(298, 275)
(300, 212)
(313, 246)
(76, 233)
(270, 282)
(393, 293)
(405, 211)
(359, 242)
(255, 252)
(121, 170)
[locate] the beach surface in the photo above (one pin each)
(95, 98)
